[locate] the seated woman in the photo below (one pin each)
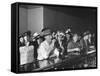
(46, 48)
(91, 42)
(74, 46)
(86, 43)
(60, 44)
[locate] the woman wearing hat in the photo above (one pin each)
(84, 43)
(45, 48)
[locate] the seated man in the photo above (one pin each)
(74, 46)
(45, 48)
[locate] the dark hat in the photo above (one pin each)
(21, 35)
(46, 31)
(86, 33)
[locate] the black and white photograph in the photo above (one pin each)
(51, 37)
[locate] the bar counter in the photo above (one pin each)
(71, 62)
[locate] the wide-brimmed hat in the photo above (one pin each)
(46, 31)
(36, 35)
(68, 31)
(86, 33)
(61, 34)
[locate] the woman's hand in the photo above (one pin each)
(77, 49)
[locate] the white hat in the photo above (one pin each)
(35, 34)
(61, 33)
(68, 30)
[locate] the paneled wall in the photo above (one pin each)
(35, 19)
(30, 19)
(23, 20)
